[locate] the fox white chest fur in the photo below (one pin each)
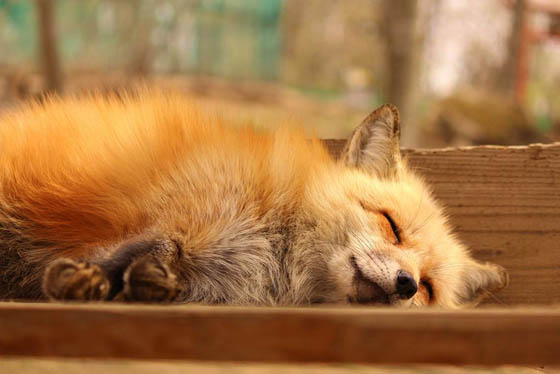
(148, 198)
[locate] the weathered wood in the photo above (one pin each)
(505, 204)
(357, 335)
(72, 366)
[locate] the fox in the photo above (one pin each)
(150, 198)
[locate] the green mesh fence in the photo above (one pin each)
(231, 38)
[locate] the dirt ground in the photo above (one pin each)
(453, 121)
(264, 104)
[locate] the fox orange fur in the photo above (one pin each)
(148, 197)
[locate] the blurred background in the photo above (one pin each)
(461, 71)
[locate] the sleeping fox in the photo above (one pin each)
(149, 198)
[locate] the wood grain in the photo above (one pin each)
(505, 204)
(341, 335)
(73, 366)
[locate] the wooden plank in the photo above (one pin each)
(342, 335)
(72, 366)
(505, 204)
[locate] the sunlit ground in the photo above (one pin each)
(262, 104)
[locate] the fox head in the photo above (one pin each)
(371, 232)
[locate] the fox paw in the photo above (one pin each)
(149, 280)
(66, 279)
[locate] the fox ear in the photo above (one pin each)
(374, 144)
(480, 280)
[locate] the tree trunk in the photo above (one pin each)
(48, 46)
(402, 42)
(512, 70)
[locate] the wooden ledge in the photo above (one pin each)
(342, 335)
(335, 146)
(504, 203)
(87, 366)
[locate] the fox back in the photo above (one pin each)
(149, 197)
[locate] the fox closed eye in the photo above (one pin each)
(428, 287)
(394, 227)
(391, 226)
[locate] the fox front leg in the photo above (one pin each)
(66, 279)
(139, 270)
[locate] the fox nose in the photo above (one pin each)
(406, 285)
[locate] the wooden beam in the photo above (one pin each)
(357, 335)
(505, 204)
(72, 366)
